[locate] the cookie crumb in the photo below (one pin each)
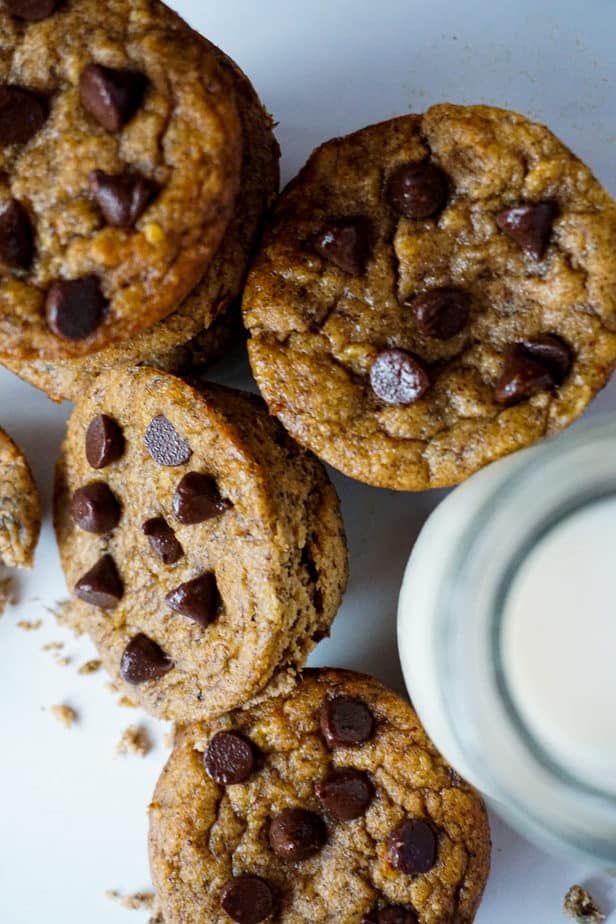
(90, 667)
(8, 594)
(134, 740)
(581, 906)
(53, 646)
(30, 625)
(127, 703)
(134, 901)
(64, 714)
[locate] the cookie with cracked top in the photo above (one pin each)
(271, 814)
(205, 549)
(433, 293)
(20, 506)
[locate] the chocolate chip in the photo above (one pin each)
(101, 585)
(111, 96)
(398, 377)
(163, 540)
(197, 499)
(522, 378)
(75, 308)
(95, 508)
(346, 721)
(230, 758)
(346, 794)
(144, 660)
(22, 114)
(32, 10)
(165, 444)
(297, 834)
(347, 243)
(16, 236)
(393, 914)
(104, 441)
(552, 352)
(441, 313)
(418, 190)
(247, 900)
(198, 599)
(122, 198)
(529, 225)
(413, 847)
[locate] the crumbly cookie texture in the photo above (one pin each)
(20, 507)
(120, 156)
(434, 292)
(205, 549)
(207, 323)
(333, 798)
(581, 906)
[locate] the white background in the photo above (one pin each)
(72, 816)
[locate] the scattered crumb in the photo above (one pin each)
(62, 660)
(8, 593)
(68, 614)
(133, 902)
(53, 646)
(30, 625)
(113, 687)
(127, 702)
(90, 667)
(581, 906)
(64, 714)
(134, 740)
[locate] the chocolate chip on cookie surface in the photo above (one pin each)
(20, 506)
(433, 293)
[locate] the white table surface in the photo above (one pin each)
(72, 815)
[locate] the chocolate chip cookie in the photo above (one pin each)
(434, 292)
(20, 506)
(205, 549)
(120, 156)
(327, 803)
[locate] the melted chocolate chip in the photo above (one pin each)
(230, 758)
(16, 236)
(122, 198)
(413, 847)
(347, 243)
(247, 900)
(75, 308)
(111, 96)
(32, 10)
(393, 914)
(346, 721)
(95, 508)
(104, 441)
(398, 377)
(529, 225)
(297, 834)
(346, 794)
(552, 352)
(522, 378)
(198, 599)
(22, 115)
(144, 660)
(102, 585)
(418, 190)
(441, 313)
(165, 444)
(163, 540)
(197, 499)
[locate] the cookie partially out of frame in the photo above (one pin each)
(434, 292)
(205, 549)
(327, 803)
(20, 507)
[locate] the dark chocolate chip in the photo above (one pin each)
(413, 847)
(346, 794)
(297, 834)
(32, 10)
(22, 114)
(104, 441)
(393, 914)
(398, 377)
(441, 313)
(75, 308)
(163, 540)
(552, 352)
(144, 660)
(529, 225)
(198, 599)
(230, 758)
(16, 236)
(101, 585)
(347, 243)
(346, 721)
(197, 499)
(165, 444)
(95, 508)
(122, 198)
(522, 378)
(111, 96)
(247, 900)
(418, 190)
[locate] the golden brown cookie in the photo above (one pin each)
(327, 803)
(205, 548)
(20, 507)
(120, 155)
(434, 292)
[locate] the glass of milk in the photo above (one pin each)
(507, 635)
